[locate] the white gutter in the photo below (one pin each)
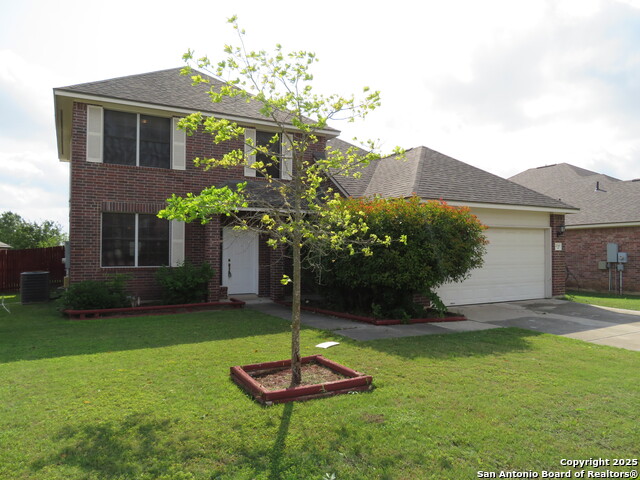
(184, 111)
(502, 206)
(602, 225)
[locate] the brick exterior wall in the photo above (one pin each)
(558, 257)
(587, 247)
(98, 187)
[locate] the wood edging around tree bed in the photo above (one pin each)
(378, 321)
(356, 381)
(152, 309)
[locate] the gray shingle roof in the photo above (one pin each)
(4, 245)
(615, 201)
(432, 175)
(167, 88)
(354, 187)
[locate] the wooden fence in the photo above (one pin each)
(14, 262)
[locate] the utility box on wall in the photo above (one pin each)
(612, 252)
(622, 257)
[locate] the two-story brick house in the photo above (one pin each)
(127, 156)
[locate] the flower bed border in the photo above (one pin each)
(151, 309)
(357, 382)
(377, 321)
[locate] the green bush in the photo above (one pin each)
(443, 244)
(95, 294)
(185, 283)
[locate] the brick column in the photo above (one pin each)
(212, 255)
(279, 266)
(558, 260)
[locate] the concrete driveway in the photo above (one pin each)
(618, 328)
(604, 326)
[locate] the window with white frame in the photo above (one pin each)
(134, 240)
(278, 163)
(136, 139)
(271, 161)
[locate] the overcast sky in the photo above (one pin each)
(503, 85)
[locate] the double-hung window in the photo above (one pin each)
(271, 161)
(134, 240)
(278, 162)
(135, 139)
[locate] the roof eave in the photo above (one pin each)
(603, 225)
(61, 92)
(504, 206)
(63, 119)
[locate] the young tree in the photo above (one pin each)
(19, 233)
(289, 207)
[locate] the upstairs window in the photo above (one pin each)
(134, 240)
(271, 161)
(279, 162)
(136, 139)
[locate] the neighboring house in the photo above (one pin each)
(127, 157)
(4, 246)
(525, 258)
(609, 213)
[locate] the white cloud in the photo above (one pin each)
(33, 183)
(31, 91)
(504, 85)
(35, 203)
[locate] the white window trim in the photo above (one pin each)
(136, 244)
(176, 243)
(178, 146)
(177, 142)
(250, 133)
(95, 134)
(286, 156)
(286, 153)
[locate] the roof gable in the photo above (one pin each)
(433, 175)
(602, 199)
(170, 89)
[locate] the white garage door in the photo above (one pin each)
(514, 269)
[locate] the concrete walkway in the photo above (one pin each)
(604, 326)
(363, 331)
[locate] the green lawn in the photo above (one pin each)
(627, 302)
(150, 398)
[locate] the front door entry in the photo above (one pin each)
(239, 261)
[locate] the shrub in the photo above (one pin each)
(185, 283)
(95, 294)
(443, 244)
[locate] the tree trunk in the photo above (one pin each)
(296, 367)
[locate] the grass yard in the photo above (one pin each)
(150, 398)
(627, 302)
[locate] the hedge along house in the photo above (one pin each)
(609, 214)
(525, 256)
(127, 157)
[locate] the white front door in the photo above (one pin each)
(239, 261)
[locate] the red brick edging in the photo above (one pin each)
(151, 310)
(357, 382)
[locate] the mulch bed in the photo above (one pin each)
(312, 374)
(269, 382)
(152, 309)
